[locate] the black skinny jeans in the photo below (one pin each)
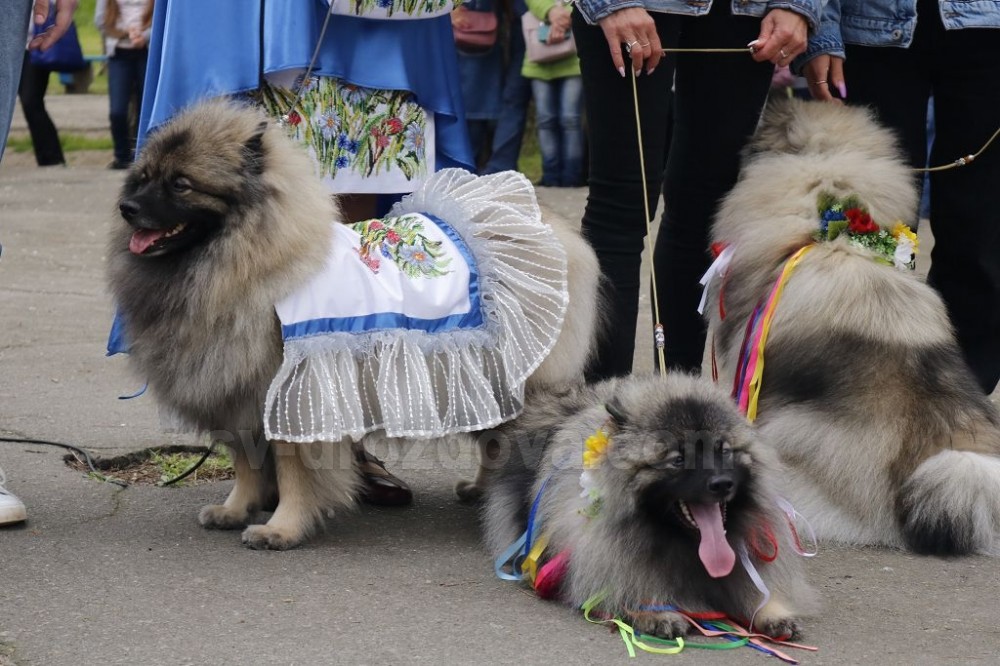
(31, 92)
(716, 105)
(961, 69)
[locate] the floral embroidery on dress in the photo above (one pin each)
(386, 8)
(364, 130)
(402, 241)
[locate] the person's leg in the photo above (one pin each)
(13, 33)
(119, 92)
(614, 221)
(546, 95)
(44, 137)
(514, 110)
(965, 202)
(718, 101)
(896, 84)
(570, 122)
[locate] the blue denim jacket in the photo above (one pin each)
(595, 10)
(890, 23)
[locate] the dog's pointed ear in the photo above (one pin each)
(253, 150)
(617, 412)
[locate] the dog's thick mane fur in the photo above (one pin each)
(208, 367)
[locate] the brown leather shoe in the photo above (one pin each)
(381, 488)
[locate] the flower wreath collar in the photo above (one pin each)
(847, 217)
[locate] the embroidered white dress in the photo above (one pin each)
(426, 322)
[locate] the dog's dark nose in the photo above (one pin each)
(129, 209)
(720, 484)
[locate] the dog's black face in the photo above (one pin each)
(169, 214)
(688, 472)
(174, 204)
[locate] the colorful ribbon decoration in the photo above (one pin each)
(709, 625)
(751, 365)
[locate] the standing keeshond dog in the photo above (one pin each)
(660, 515)
(865, 394)
(222, 216)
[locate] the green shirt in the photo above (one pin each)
(568, 66)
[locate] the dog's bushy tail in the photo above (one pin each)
(950, 505)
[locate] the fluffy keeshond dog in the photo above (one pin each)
(223, 215)
(660, 516)
(886, 435)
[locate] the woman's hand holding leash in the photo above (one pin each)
(783, 35)
(632, 31)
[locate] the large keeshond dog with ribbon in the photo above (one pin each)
(259, 318)
(647, 499)
(844, 357)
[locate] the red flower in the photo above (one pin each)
(375, 225)
(381, 140)
(375, 131)
(294, 118)
(394, 126)
(860, 222)
(392, 236)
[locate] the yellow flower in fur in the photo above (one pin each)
(902, 231)
(594, 449)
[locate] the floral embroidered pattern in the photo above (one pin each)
(366, 130)
(402, 241)
(386, 8)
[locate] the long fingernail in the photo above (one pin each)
(636, 72)
(753, 43)
(621, 70)
(842, 89)
(649, 72)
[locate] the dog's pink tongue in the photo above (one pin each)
(143, 238)
(715, 552)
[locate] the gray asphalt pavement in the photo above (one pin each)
(101, 575)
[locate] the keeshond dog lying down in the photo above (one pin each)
(887, 438)
(659, 515)
(221, 216)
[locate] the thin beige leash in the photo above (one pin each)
(962, 161)
(659, 337)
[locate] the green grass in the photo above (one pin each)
(530, 160)
(174, 464)
(69, 143)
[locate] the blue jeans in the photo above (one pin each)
(126, 72)
(558, 105)
(514, 110)
(13, 27)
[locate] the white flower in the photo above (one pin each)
(903, 257)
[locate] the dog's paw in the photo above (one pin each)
(664, 625)
(266, 537)
(469, 492)
(219, 517)
(783, 628)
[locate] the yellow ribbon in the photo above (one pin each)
(758, 371)
(529, 566)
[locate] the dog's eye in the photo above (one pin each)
(726, 449)
(181, 184)
(676, 461)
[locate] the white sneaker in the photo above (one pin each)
(11, 509)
